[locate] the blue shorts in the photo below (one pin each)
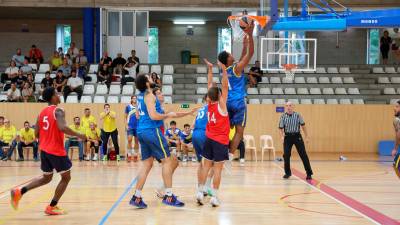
(153, 144)
(198, 140)
(131, 132)
(215, 151)
(237, 110)
(51, 162)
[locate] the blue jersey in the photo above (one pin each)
(173, 134)
(186, 138)
(130, 110)
(237, 84)
(145, 122)
(160, 110)
(201, 118)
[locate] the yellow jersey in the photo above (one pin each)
(7, 135)
(28, 136)
(85, 121)
(93, 134)
(79, 129)
(109, 123)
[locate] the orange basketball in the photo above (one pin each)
(245, 22)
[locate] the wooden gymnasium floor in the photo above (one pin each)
(253, 194)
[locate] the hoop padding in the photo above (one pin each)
(234, 23)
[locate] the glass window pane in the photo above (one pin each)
(127, 23)
(67, 38)
(113, 24)
(373, 48)
(153, 45)
(224, 39)
(141, 24)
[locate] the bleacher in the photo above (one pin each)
(360, 84)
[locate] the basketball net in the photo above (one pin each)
(289, 70)
(234, 23)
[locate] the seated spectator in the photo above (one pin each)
(186, 141)
(10, 73)
(65, 68)
(74, 84)
(35, 55)
(47, 81)
(13, 94)
(68, 57)
(255, 74)
(26, 68)
(130, 72)
(172, 135)
(55, 61)
(133, 58)
(27, 93)
(93, 142)
(81, 73)
(73, 51)
(104, 75)
(156, 79)
(117, 64)
(81, 59)
(18, 58)
(60, 81)
(31, 81)
(19, 80)
(73, 141)
(105, 60)
(27, 139)
(61, 52)
(7, 139)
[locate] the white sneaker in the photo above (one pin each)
(184, 158)
(95, 158)
(242, 162)
(214, 201)
(87, 158)
(194, 159)
(200, 197)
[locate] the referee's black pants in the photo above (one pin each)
(297, 140)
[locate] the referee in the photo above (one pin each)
(289, 127)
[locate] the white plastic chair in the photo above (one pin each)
(127, 90)
(39, 77)
(337, 80)
(156, 69)
(99, 99)
(274, 80)
(277, 91)
(348, 80)
(250, 144)
(267, 101)
(265, 91)
(201, 80)
(324, 80)
(126, 99)
(93, 68)
(101, 89)
(378, 70)
(254, 101)
(312, 80)
(305, 101)
(88, 89)
(201, 91)
(167, 89)
(144, 69)
(315, 91)
(333, 70)
(354, 91)
(43, 68)
(345, 101)
(344, 70)
(280, 101)
(389, 91)
(167, 99)
(72, 99)
(168, 69)
(332, 101)
(319, 102)
(252, 91)
(201, 70)
(299, 80)
(302, 91)
(328, 91)
(290, 91)
(320, 70)
(358, 101)
(267, 144)
(86, 99)
(33, 66)
(115, 89)
(167, 79)
(112, 99)
(383, 80)
(390, 69)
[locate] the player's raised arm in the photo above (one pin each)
(209, 74)
(244, 61)
(62, 125)
(245, 46)
(225, 85)
(150, 101)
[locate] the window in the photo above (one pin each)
(153, 45)
(373, 46)
(63, 36)
(224, 39)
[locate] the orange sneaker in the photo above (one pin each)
(16, 195)
(54, 211)
(129, 158)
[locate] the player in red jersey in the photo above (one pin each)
(50, 129)
(216, 147)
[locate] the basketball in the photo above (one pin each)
(245, 22)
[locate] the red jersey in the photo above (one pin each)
(217, 128)
(51, 139)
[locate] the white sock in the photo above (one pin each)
(230, 156)
(129, 151)
(138, 193)
(208, 182)
(215, 192)
(168, 191)
(201, 188)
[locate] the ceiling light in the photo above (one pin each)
(191, 22)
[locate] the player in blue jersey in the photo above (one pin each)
(131, 120)
(152, 144)
(236, 102)
(186, 142)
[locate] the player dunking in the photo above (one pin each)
(236, 102)
(50, 129)
(216, 150)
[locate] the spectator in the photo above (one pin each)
(47, 81)
(386, 42)
(31, 81)
(255, 74)
(65, 68)
(81, 59)
(26, 68)
(60, 52)
(13, 94)
(186, 141)
(35, 55)
(18, 58)
(27, 139)
(156, 79)
(105, 60)
(118, 63)
(74, 84)
(7, 139)
(132, 58)
(55, 61)
(104, 76)
(73, 51)
(87, 118)
(10, 73)
(173, 136)
(93, 141)
(60, 81)
(68, 57)
(19, 80)
(81, 73)
(130, 72)
(73, 141)
(109, 129)
(27, 93)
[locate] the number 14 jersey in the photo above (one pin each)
(218, 124)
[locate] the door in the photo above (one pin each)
(127, 35)
(114, 33)
(142, 36)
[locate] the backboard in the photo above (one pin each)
(278, 52)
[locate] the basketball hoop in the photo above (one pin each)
(289, 70)
(237, 31)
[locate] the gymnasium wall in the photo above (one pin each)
(332, 129)
(173, 39)
(42, 32)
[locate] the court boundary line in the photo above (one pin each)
(119, 200)
(315, 184)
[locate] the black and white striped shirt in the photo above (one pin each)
(291, 122)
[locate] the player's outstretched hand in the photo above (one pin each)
(222, 66)
(207, 62)
(249, 30)
(171, 114)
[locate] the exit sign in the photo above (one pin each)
(185, 106)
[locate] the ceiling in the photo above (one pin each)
(40, 13)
